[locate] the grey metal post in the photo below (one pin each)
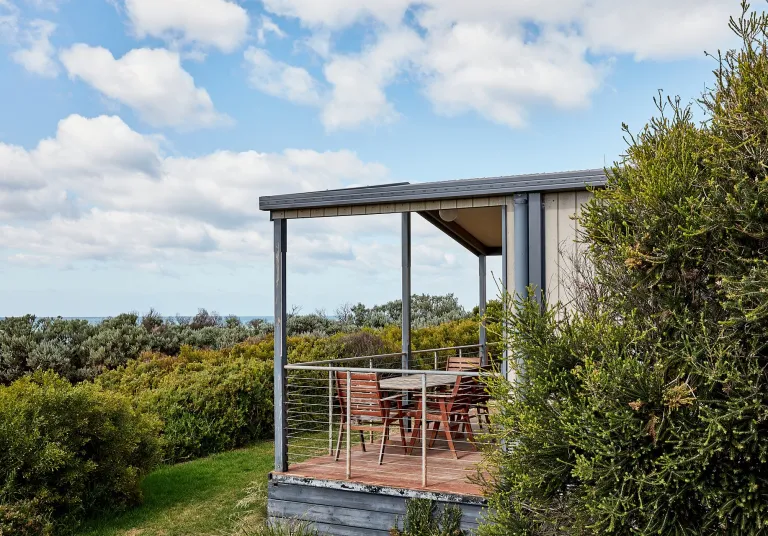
(481, 307)
(521, 246)
(406, 289)
(536, 244)
(522, 280)
(281, 350)
(504, 255)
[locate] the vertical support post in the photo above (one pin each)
(435, 359)
(521, 246)
(424, 429)
(506, 224)
(349, 425)
(406, 289)
(330, 411)
(536, 244)
(281, 351)
(481, 307)
(522, 281)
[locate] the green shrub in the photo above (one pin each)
(69, 451)
(423, 518)
(208, 401)
(23, 519)
(646, 412)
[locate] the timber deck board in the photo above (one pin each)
(445, 474)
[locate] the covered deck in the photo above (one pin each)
(340, 423)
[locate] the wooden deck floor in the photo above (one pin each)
(445, 474)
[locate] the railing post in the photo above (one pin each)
(330, 411)
(459, 352)
(424, 429)
(349, 423)
(435, 359)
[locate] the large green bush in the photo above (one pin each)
(69, 451)
(646, 411)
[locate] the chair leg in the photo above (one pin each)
(338, 441)
(446, 423)
(362, 439)
(435, 430)
(401, 423)
(468, 428)
(384, 437)
(415, 432)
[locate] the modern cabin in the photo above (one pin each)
(356, 436)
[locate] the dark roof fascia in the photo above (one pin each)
(405, 192)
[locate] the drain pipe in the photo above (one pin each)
(521, 254)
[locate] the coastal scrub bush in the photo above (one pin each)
(644, 409)
(78, 350)
(69, 451)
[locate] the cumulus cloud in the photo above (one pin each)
(38, 55)
(496, 58)
(151, 81)
(100, 191)
(358, 81)
(212, 23)
(279, 79)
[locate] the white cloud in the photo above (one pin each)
(497, 58)
(151, 81)
(38, 57)
(268, 26)
(217, 23)
(472, 67)
(358, 81)
(9, 22)
(280, 79)
(100, 191)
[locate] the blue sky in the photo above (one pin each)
(137, 135)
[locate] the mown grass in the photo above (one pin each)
(194, 498)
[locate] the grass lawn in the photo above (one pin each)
(193, 498)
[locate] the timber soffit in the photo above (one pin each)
(463, 188)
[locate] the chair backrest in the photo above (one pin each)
(462, 363)
(462, 393)
(365, 394)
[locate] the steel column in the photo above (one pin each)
(281, 350)
(505, 223)
(536, 244)
(406, 288)
(521, 246)
(481, 308)
(522, 280)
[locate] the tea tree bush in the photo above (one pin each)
(69, 451)
(644, 410)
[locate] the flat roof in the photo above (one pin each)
(403, 192)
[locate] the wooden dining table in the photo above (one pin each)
(412, 382)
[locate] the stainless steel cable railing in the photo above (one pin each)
(420, 426)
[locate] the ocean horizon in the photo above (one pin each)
(99, 319)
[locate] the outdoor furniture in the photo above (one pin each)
(448, 411)
(480, 396)
(369, 409)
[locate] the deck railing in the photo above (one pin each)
(359, 402)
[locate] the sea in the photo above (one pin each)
(98, 319)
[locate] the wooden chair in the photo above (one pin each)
(480, 395)
(369, 409)
(448, 411)
(463, 364)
